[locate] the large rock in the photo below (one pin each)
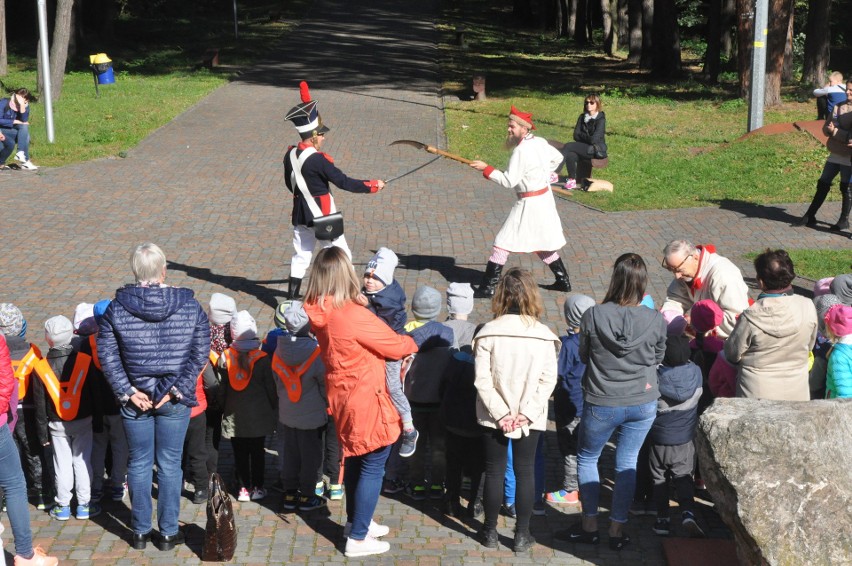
(780, 474)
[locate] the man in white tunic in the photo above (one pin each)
(533, 224)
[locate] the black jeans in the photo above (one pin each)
(38, 468)
(464, 454)
(572, 153)
(195, 452)
(523, 460)
(212, 437)
(249, 458)
(430, 453)
(333, 456)
(303, 451)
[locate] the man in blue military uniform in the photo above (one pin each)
(317, 170)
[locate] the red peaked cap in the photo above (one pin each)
(303, 92)
(523, 118)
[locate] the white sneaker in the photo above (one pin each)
(258, 493)
(375, 530)
(366, 547)
(29, 166)
(21, 156)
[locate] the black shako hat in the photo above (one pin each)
(305, 116)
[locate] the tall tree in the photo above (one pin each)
(634, 38)
(666, 61)
(610, 35)
(4, 54)
(621, 22)
(776, 44)
(581, 35)
(58, 50)
(646, 57)
(817, 43)
(713, 53)
(728, 25)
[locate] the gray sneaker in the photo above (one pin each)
(690, 525)
(409, 443)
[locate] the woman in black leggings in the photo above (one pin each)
(589, 137)
(515, 365)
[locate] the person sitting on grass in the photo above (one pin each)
(15, 128)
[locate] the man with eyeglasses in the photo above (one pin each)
(15, 128)
(700, 273)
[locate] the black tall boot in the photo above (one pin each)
(809, 219)
(562, 283)
(293, 288)
(489, 281)
(843, 223)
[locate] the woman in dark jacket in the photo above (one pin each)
(153, 342)
(621, 342)
(589, 137)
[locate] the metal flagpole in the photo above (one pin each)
(45, 67)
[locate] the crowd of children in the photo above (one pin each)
(70, 433)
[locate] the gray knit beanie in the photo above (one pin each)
(58, 331)
(460, 298)
(222, 308)
(11, 320)
(842, 287)
(575, 306)
(296, 319)
(822, 304)
(426, 304)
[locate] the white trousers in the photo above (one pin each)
(72, 450)
(113, 434)
(304, 242)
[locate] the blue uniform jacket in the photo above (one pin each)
(153, 338)
(389, 305)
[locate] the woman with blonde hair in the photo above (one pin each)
(354, 344)
(515, 358)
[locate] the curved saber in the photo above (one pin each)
(432, 149)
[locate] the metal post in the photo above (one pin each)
(45, 67)
(236, 29)
(757, 88)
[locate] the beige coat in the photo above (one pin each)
(842, 118)
(515, 370)
(771, 343)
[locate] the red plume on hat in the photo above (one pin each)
(303, 92)
(523, 118)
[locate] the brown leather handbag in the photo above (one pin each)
(220, 537)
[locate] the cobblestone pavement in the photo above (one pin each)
(207, 187)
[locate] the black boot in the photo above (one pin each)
(809, 219)
(293, 288)
(562, 283)
(523, 541)
(843, 223)
(489, 281)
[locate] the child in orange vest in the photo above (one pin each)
(65, 406)
(302, 410)
(250, 402)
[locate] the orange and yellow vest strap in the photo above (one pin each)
(93, 344)
(214, 359)
(238, 377)
(66, 396)
(291, 376)
(23, 368)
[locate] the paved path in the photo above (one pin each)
(207, 187)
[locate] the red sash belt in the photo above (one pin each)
(533, 193)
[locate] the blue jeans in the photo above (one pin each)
(18, 134)
(15, 488)
(596, 427)
(156, 434)
(362, 479)
(509, 482)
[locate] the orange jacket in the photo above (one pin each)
(355, 344)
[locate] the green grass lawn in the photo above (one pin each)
(158, 76)
(670, 145)
(817, 264)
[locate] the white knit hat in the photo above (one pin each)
(459, 298)
(382, 264)
(84, 319)
(58, 331)
(243, 326)
(222, 308)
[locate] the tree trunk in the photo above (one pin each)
(817, 43)
(745, 37)
(4, 54)
(776, 43)
(581, 36)
(59, 49)
(646, 58)
(621, 25)
(572, 18)
(609, 33)
(634, 38)
(787, 69)
(712, 55)
(728, 24)
(667, 62)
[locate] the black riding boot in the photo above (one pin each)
(293, 288)
(809, 219)
(562, 283)
(489, 281)
(843, 223)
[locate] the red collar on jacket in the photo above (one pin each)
(697, 282)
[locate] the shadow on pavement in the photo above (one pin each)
(256, 289)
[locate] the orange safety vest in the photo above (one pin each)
(93, 344)
(238, 377)
(291, 376)
(23, 368)
(66, 396)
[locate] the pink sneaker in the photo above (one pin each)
(38, 559)
(244, 495)
(554, 178)
(570, 184)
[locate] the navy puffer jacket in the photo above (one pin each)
(153, 338)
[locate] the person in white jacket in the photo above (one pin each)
(701, 273)
(515, 359)
(533, 224)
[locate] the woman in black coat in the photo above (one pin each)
(589, 136)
